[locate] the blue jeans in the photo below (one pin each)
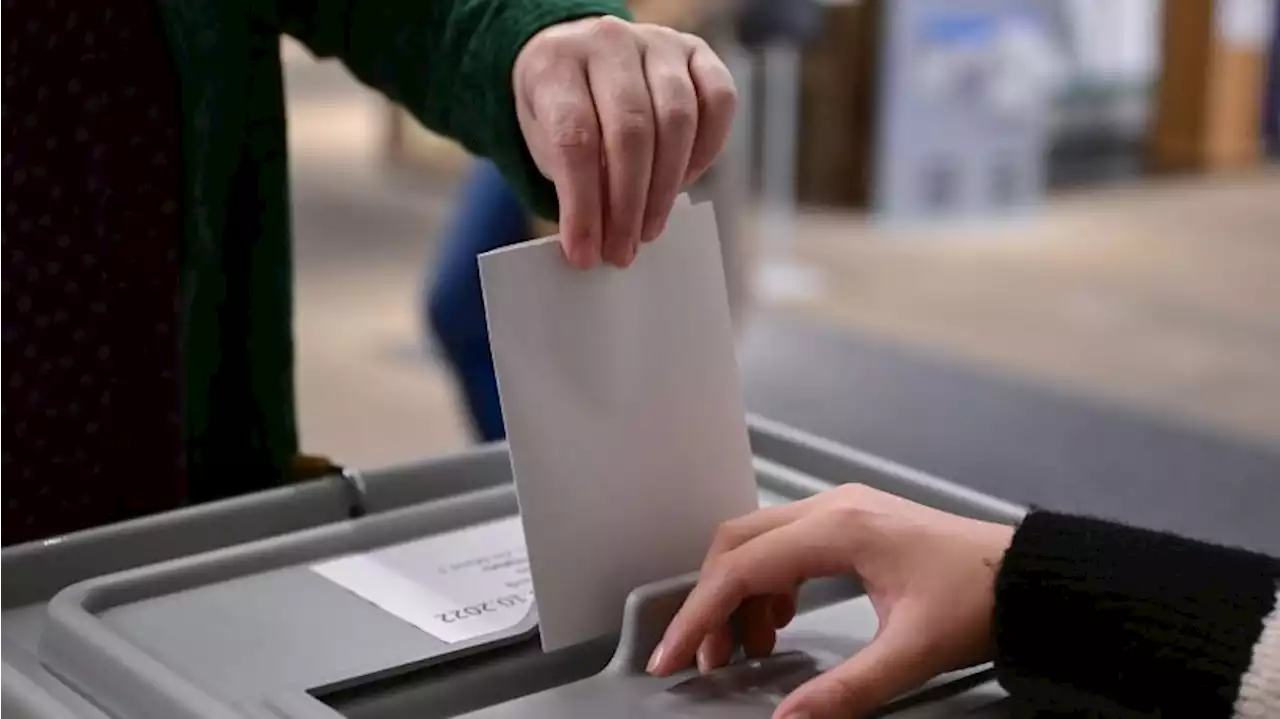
(490, 217)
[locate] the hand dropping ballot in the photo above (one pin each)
(624, 413)
(628, 438)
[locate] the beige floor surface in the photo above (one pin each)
(1164, 296)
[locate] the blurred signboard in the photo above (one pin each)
(964, 92)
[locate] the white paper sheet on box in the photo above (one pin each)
(456, 586)
(624, 412)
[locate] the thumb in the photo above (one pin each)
(884, 669)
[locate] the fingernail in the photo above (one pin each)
(704, 664)
(655, 660)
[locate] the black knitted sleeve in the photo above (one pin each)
(1096, 618)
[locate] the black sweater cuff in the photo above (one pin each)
(1099, 618)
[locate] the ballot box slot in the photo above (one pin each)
(467, 683)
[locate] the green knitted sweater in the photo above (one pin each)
(447, 61)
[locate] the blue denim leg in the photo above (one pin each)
(490, 217)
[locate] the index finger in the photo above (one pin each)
(737, 532)
(771, 563)
(566, 112)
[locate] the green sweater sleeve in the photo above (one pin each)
(448, 62)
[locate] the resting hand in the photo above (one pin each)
(929, 574)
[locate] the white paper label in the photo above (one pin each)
(1246, 23)
(455, 586)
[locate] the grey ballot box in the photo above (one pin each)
(33, 573)
(214, 612)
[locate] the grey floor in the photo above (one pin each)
(1010, 438)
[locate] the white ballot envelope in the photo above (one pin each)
(625, 417)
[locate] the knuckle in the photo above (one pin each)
(725, 577)
(717, 569)
(633, 125)
(852, 503)
(729, 534)
(573, 131)
(550, 47)
(694, 42)
(845, 688)
(722, 97)
(539, 68)
(656, 33)
(685, 39)
(848, 515)
(678, 119)
(681, 113)
(661, 36)
(852, 492)
(609, 29)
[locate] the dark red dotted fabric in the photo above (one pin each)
(92, 236)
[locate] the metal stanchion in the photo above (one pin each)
(782, 277)
(777, 31)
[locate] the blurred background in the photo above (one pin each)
(1033, 247)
